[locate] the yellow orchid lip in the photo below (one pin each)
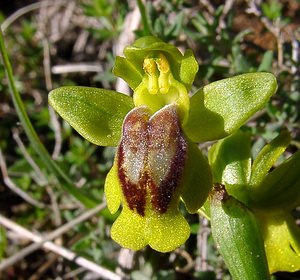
(154, 167)
(151, 158)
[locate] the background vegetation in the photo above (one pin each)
(55, 43)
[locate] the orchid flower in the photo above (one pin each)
(158, 163)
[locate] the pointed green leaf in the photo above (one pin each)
(238, 237)
(221, 107)
(282, 241)
(280, 189)
(197, 179)
(96, 114)
(267, 157)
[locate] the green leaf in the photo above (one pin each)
(282, 241)
(3, 242)
(147, 28)
(230, 159)
(267, 157)
(280, 189)
(238, 237)
(240, 63)
(96, 114)
(266, 62)
(221, 107)
(272, 9)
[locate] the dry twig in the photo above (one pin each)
(47, 244)
(202, 240)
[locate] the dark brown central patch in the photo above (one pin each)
(151, 158)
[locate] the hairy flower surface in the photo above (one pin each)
(149, 163)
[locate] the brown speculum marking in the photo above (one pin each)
(151, 158)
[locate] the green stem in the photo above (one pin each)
(39, 148)
(147, 27)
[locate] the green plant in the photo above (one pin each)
(157, 161)
(212, 32)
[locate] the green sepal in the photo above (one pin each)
(183, 67)
(220, 108)
(282, 240)
(96, 114)
(267, 157)
(280, 189)
(124, 69)
(197, 179)
(188, 69)
(238, 237)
